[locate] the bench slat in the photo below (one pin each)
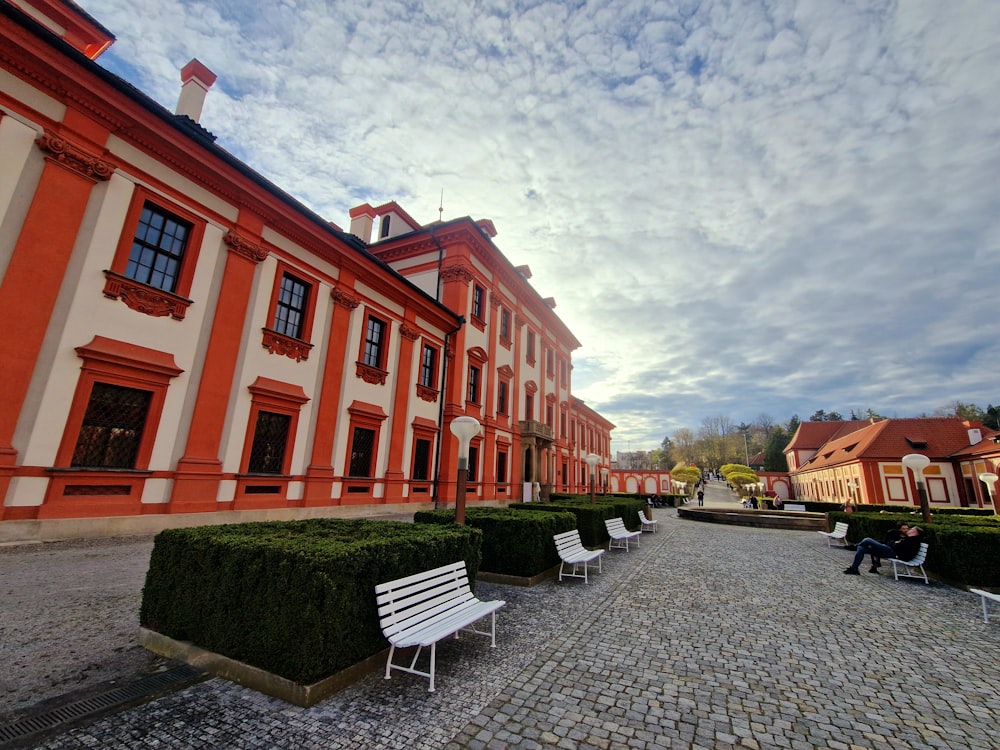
(452, 571)
(447, 623)
(402, 618)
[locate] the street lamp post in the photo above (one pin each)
(604, 481)
(989, 479)
(746, 447)
(917, 462)
(464, 428)
(592, 460)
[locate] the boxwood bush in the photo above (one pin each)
(590, 517)
(515, 543)
(293, 598)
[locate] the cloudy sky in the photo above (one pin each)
(741, 207)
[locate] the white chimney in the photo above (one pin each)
(196, 80)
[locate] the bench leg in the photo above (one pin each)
(433, 654)
(388, 662)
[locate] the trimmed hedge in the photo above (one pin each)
(962, 548)
(293, 598)
(590, 517)
(514, 543)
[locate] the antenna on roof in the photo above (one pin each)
(441, 206)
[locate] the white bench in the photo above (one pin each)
(911, 568)
(839, 534)
(421, 609)
(572, 552)
(647, 523)
(794, 506)
(987, 597)
(619, 534)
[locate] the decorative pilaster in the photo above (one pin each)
(199, 470)
(35, 271)
(320, 472)
(244, 248)
(462, 274)
(73, 157)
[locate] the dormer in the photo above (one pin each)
(69, 22)
(373, 224)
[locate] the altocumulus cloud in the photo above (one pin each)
(740, 207)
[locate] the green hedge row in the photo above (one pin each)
(962, 548)
(514, 543)
(294, 598)
(590, 517)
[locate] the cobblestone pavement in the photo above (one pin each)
(68, 617)
(708, 636)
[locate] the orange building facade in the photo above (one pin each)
(184, 337)
(861, 462)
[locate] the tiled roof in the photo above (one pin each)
(936, 437)
(988, 446)
(812, 435)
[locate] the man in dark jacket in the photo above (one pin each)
(892, 535)
(904, 548)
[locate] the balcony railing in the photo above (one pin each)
(531, 428)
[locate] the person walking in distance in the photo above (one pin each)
(701, 497)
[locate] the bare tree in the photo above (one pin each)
(685, 446)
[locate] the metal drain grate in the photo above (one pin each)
(133, 692)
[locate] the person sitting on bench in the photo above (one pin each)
(892, 535)
(904, 548)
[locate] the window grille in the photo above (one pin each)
(421, 459)
(112, 427)
(270, 440)
(473, 463)
(157, 249)
(291, 309)
(362, 450)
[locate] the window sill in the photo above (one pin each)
(427, 394)
(370, 374)
(278, 343)
(144, 298)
